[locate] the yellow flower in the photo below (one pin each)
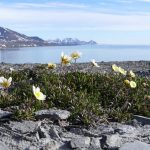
(76, 55)
(51, 65)
(122, 71)
(39, 95)
(115, 68)
(94, 64)
(132, 84)
(65, 60)
(127, 82)
(5, 83)
(131, 74)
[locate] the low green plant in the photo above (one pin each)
(89, 97)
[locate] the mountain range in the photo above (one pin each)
(69, 42)
(13, 39)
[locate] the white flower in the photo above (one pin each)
(94, 64)
(132, 74)
(132, 84)
(115, 68)
(76, 55)
(51, 65)
(11, 69)
(122, 71)
(65, 60)
(5, 83)
(39, 95)
(119, 69)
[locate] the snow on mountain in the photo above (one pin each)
(70, 41)
(13, 39)
(10, 38)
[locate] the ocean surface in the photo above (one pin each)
(97, 52)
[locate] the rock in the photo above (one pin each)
(95, 143)
(3, 146)
(54, 133)
(54, 114)
(111, 141)
(128, 133)
(5, 114)
(137, 145)
(68, 136)
(24, 127)
(42, 133)
(143, 120)
(52, 145)
(99, 130)
(81, 142)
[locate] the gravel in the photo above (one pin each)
(139, 67)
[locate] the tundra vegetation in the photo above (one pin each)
(90, 97)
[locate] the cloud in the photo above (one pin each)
(49, 5)
(70, 20)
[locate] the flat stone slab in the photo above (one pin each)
(5, 114)
(54, 114)
(137, 145)
(24, 127)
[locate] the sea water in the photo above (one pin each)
(97, 52)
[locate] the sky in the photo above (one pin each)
(105, 21)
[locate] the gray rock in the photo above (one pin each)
(3, 146)
(95, 143)
(99, 130)
(52, 145)
(54, 133)
(137, 145)
(123, 128)
(54, 114)
(24, 127)
(42, 133)
(82, 142)
(114, 141)
(111, 141)
(143, 120)
(5, 114)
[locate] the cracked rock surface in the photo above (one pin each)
(45, 135)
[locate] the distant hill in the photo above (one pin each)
(10, 39)
(70, 42)
(13, 39)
